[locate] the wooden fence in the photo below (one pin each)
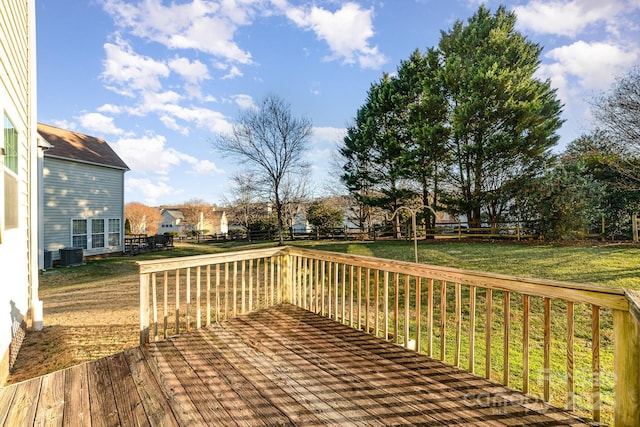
(533, 335)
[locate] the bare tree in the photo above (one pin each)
(618, 114)
(270, 142)
(243, 205)
(196, 213)
(143, 219)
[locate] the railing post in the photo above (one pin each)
(144, 309)
(626, 360)
(287, 275)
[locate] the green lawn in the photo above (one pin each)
(605, 265)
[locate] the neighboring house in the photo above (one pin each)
(215, 224)
(19, 160)
(300, 224)
(171, 221)
(83, 194)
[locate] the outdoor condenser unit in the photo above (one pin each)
(48, 260)
(70, 257)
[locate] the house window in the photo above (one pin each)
(79, 233)
(114, 232)
(82, 229)
(97, 233)
(10, 150)
(10, 146)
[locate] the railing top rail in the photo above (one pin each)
(158, 265)
(613, 298)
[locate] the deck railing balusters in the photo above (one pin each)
(250, 285)
(198, 308)
(344, 295)
(595, 361)
(443, 319)
(487, 330)
(407, 284)
(458, 323)
(418, 317)
(217, 292)
(177, 301)
(525, 343)
(166, 304)
(472, 329)
(155, 306)
(367, 307)
(547, 350)
(359, 300)
(188, 299)
(506, 338)
(208, 272)
(302, 277)
(570, 349)
(336, 277)
(430, 317)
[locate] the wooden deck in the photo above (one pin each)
(279, 366)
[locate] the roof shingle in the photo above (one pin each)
(77, 146)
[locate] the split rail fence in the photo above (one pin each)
(573, 345)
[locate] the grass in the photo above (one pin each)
(92, 310)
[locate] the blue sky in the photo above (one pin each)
(160, 79)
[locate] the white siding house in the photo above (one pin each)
(171, 221)
(83, 194)
(18, 179)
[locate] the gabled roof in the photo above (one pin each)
(71, 145)
(173, 212)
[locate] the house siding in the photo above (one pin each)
(75, 190)
(18, 245)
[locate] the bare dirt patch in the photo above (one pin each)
(83, 322)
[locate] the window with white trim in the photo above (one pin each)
(114, 232)
(97, 233)
(10, 150)
(92, 234)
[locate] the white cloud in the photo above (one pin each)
(244, 101)
(193, 72)
(109, 109)
(65, 124)
(147, 154)
(205, 167)
(347, 32)
(567, 18)
(328, 135)
(206, 26)
(233, 73)
(152, 189)
(99, 123)
(204, 118)
(595, 65)
(131, 72)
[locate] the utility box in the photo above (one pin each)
(48, 260)
(71, 256)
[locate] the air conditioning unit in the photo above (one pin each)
(71, 256)
(48, 260)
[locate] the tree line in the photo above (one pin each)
(464, 128)
(467, 128)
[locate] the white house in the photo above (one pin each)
(19, 160)
(171, 221)
(83, 183)
(215, 222)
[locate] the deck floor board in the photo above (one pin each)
(278, 366)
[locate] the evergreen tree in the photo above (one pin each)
(503, 119)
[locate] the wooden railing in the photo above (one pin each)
(569, 344)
